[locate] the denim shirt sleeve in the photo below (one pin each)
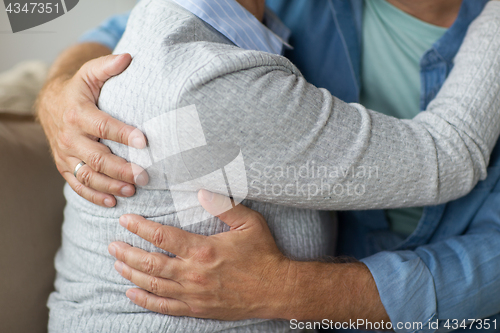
(109, 32)
(456, 278)
(406, 288)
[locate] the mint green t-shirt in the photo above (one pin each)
(393, 44)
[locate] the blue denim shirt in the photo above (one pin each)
(449, 268)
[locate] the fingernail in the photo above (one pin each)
(127, 191)
(108, 202)
(122, 55)
(119, 266)
(124, 221)
(112, 250)
(141, 179)
(131, 294)
(138, 142)
(207, 195)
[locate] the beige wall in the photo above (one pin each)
(46, 41)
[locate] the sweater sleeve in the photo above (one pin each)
(300, 145)
(303, 147)
(464, 119)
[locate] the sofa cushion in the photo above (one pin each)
(31, 209)
(20, 86)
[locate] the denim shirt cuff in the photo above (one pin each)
(407, 291)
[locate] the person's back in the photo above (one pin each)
(170, 46)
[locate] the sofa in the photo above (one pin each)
(31, 205)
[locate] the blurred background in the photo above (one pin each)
(45, 42)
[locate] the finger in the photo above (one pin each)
(101, 125)
(101, 182)
(166, 306)
(100, 159)
(97, 123)
(237, 217)
(215, 204)
(170, 239)
(153, 264)
(158, 286)
(97, 71)
(98, 198)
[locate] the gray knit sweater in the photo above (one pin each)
(261, 103)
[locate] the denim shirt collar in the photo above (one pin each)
(240, 26)
(437, 63)
(448, 45)
(444, 50)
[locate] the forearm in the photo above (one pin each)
(356, 158)
(70, 61)
(333, 291)
(463, 118)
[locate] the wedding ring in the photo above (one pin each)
(82, 163)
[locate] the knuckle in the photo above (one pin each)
(59, 167)
(154, 285)
(197, 278)
(110, 187)
(86, 72)
(85, 176)
(124, 255)
(65, 140)
(71, 116)
(85, 67)
(102, 126)
(149, 265)
(124, 172)
(127, 273)
(257, 216)
(164, 307)
(57, 158)
(198, 306)
(123, 134)
(159, 237)
(198, 311)
(92, 197)
(96, 161)
(134, 227)
(79, 188)
(205, 254)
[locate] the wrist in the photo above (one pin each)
(294, 290)
(311, 283)
(51, 89)
(333, 291)
(276, 296)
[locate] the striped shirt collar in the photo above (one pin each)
(240, 26)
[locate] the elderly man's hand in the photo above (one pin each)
(73, 124)
(235, 275)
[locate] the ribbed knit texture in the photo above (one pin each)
(262, 103)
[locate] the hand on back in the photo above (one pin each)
(73, 124)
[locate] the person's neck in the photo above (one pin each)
(256, 7)
(437, 12)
